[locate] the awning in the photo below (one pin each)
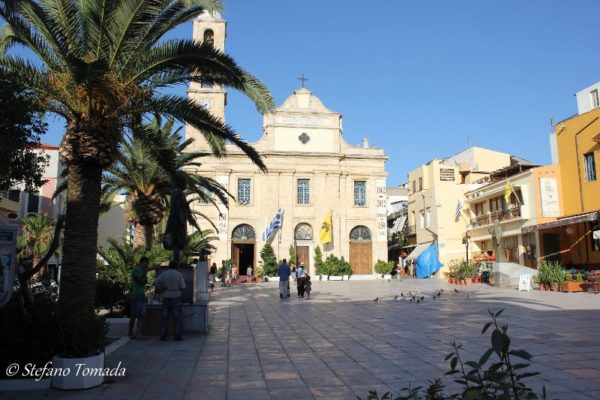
(593, 216)
(398, 224)
(421, 247)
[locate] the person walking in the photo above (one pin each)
(223, 273)
(307, 285)
(249, 273)
(139, 279)
(169, 284)
(212, 274)
(283, 271)
(300, 272)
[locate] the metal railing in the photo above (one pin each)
(503, 215)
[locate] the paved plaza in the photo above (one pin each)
(341, 343)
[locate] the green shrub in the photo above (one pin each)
(333, 266)
(267, 254)
(549, 272)
(383, 267)
(319, 265)
(292, 252)
(500, 378)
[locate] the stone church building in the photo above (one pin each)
(311, 171)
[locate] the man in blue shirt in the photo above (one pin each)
(284, 275)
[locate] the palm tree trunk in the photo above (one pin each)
(78, 277)
(142, 236)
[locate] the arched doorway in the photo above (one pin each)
(361, 254)
(243, 241)
(303, 237)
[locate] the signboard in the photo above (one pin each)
(8, 248)
(223, 217)
(549, 197)
(381, 210)
(446, 174)
(525, 282)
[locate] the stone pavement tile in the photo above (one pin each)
(206, 395)
(585, 372)
(163, 387)
(332, 392)
(581, 385)
(248, 394)
(285, 383)
(163, 396)
(290, 393)
(287, 367)
(281, 375)
(256, 384)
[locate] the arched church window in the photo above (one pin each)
(303, 232)
(243, 232)
(209, 37)
(360, 233)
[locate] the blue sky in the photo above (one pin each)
(418, 77)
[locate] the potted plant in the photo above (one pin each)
(573, 283)
(383, 267)
(549, 275)
(467, 272)
(81, 339)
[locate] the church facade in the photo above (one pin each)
(311, 171)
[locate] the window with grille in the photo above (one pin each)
(303, 191)
(595, 98)
(360, 193)
(244, 191)
(590, 167)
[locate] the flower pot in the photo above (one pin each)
(463, 282)
(476, 279)
(468, 281)
(555, 287)
(572, 287)
(452, 280)
(78, 373)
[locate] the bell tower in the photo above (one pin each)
(208, 28)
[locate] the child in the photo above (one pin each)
(307, 285)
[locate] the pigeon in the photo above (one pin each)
(376, 299)
(414, 298)
(422, 298)
(433, 297)
(439, 293)
(402, 294)
(411, 300)
(455, 291)
(396, 297)
(418, 301)
(468, 296)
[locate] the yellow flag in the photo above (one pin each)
(326, 233)
(507, 191)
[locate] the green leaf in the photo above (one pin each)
(497, 341)
(485, 327)
(521, 354)
(499, 312)
(448, 356)
(527, 375)
(453, 363)
(472, 364)
(485, 356)
(520, 366)
(472, 394)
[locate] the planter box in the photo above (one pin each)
(572, 287)
(78, 373)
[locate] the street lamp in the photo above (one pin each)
(466, 243)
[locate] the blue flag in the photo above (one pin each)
(427, 262)
(275, 224)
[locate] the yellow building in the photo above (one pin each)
(574, 238)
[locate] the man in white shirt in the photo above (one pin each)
(169, 284)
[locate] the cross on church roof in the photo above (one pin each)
(302, 79)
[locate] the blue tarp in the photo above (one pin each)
(427, 262)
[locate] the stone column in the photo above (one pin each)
(201, 280)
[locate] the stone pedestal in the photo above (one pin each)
(201, 282)
(195, 319)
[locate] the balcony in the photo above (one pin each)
(502, 216)
(410, 230)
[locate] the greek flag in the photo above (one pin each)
(275, 224)
(459, 207)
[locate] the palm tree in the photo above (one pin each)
(36, 234)
(98, 64)
(149, 167)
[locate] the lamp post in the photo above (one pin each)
(466, 243)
